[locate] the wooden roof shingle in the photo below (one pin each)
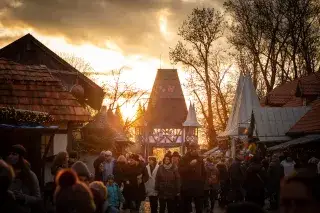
(35, 88)
(167, 107)
(309, 123)
(289, 94)
(28, 50)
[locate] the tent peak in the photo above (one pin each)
(191, 120)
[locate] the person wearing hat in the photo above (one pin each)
(167, 184)
(193, 175)
(134, 189)
(151, 170)
(100, 195)
(82, 171)
(72, 195)
(25, 185)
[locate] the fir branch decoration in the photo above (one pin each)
(10, 115)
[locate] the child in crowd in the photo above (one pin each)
(115, 197)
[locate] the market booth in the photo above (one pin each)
(25, 128)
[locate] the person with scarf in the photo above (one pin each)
(152, 170)
(167, 184)
(25, 185)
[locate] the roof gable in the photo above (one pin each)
(30, 51)
(167, 107)
(288, 93)
(309, 123)
(34, 88)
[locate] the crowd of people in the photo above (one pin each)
(176, 184)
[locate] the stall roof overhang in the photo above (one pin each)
(298, 141)
(23, 128)
(272, 123)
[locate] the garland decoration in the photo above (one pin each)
(10, 115)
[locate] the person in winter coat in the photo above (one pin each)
(115, 197)
(72, 195)
(8, 202)
(120, 169)
(134, 189)
(60, 162)
(98, 166)
(82, 171)
(237, 177)
(255, 182)
(99, 192)
(151, 170)
(108, 165)
(211, 184)
(25, 185)
(193, 175)
(223, 182)
(176, 157)
(167, 184)
(275, 174)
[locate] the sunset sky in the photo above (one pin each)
(109, 34)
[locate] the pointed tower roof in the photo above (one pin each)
(167, 107)
(245, 100)
(192, 120)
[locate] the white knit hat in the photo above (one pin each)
(108, 153)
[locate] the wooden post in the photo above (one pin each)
(183, 141)
(43, 160)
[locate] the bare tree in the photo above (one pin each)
(275, 40)
(199, 32)
(120, 93)
(77, 62)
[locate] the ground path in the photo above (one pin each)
(146, 209)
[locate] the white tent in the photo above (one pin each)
(244, 101)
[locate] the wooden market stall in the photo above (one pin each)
(26, 128)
